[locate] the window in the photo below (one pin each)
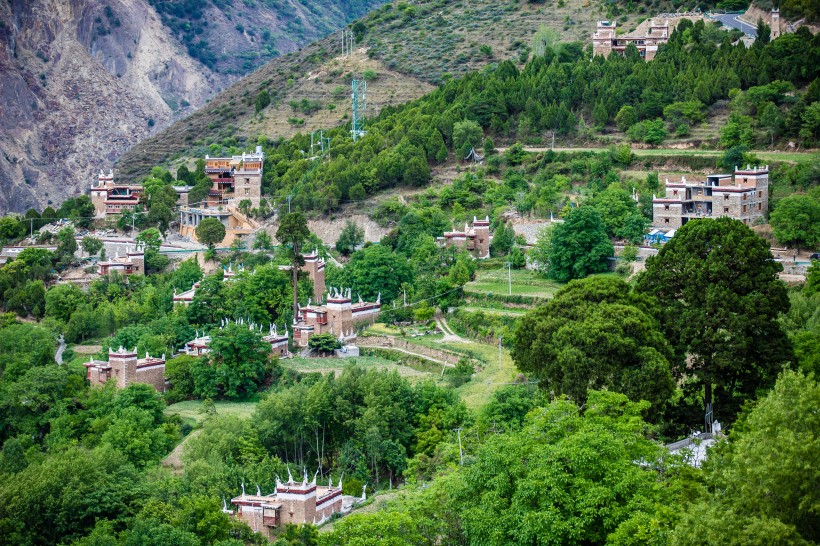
(666, 220)
(725, 196)
(744, 208)
(675, 192)
(247, 191)
(725, 210)
(666, 207)
(760, 206)
(760, 195)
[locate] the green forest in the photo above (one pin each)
(552, 425)
(772, 91)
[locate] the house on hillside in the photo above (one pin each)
(233, 180)
(743, 196)
(475, 238)
(337, 316)
(131, 263)
(125, 368)
(292, 502)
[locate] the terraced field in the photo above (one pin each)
(517, 283)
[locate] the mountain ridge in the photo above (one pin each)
(425, 42)
(82, 82)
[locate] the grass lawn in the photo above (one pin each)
(338, 365)
(191, 410)
(382, 329)
(524, 283)
(477, 392)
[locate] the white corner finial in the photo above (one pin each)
(243, 488)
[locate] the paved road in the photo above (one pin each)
(58, 357)
(730, 20)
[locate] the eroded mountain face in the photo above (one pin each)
(81, 81)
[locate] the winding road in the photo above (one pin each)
(58, 356)
(731, 20)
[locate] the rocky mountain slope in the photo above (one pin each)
(83, 81)
(402, 48)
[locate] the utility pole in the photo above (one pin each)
(460, 450)
(508, 265)
(347, 42)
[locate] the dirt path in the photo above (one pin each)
(174, 459)
(449, 335)
(58, 357)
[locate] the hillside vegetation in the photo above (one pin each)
(84, 81)
(563, 92)
(400, 48)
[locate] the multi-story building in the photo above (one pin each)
(235, 178)
(605, 40)
(315, 268)
(338, 316)
(132, 263)
(293, 502)
(125, 368)
(110, 199)
(744, 197)
(476, 239)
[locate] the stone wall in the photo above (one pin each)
(152, 375)
(390, 342)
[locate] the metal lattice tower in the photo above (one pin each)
(359, 107)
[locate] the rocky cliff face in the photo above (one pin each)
(81, 81)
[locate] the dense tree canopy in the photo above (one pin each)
(720, 297)
(762, 483)
(796, 220)
(236, 365)
(579, 246)
(594, 334)
(376, 269)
